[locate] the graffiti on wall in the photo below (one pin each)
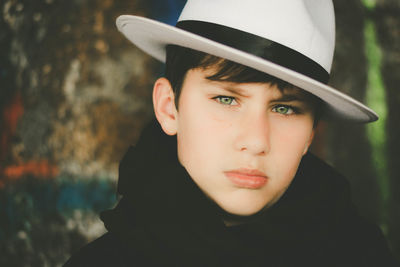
(75, 94)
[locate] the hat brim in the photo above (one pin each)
(152, 37)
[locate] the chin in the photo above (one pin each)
(243, 209)
(246, 212)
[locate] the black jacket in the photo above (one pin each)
(163, 219)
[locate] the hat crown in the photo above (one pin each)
(306, 26)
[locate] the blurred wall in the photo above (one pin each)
(74, 94)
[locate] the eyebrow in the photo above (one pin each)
(235, 90)
(284, 97)
(290, 97)
(230, 87)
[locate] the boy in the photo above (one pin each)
(223, 177)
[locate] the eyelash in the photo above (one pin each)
(294, 110)
(218, 98)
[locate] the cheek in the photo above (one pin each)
(200, 135)
(201, 139)
(288, 142)
(293, 136)
(201, 119)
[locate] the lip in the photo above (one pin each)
(247, 178)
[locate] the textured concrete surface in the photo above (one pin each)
(74, 94)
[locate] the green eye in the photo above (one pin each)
(282, 109)
(225, 100)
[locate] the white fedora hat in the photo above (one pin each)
(290, 39)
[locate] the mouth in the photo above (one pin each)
(247, 178)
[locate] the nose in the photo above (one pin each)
(253, 133)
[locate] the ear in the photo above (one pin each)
(308, 143)
(164, 106)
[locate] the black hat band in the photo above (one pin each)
(257, 46)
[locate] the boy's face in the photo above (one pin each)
(241, 143)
